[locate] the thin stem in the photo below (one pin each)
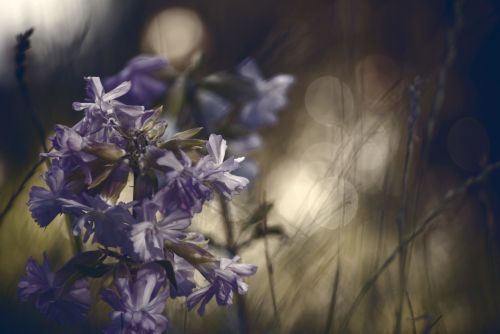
(19, 189)
(77, 242)
(333, 301)
(429, 218)
(232, 248)
(412, 313)
(270, 271)
(414, 112)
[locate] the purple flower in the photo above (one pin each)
(271, 96)
(138, 303)
(108, 225)
(144, 88)
(224, 280)
(183, 189)
(43, 287)
(188, 187)
(46, 204)
(101, 101)
(214, 169)
(149, 235)
(212, 107)
(100, 112)
(184, 276)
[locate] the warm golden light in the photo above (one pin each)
(329, 101)
(175, 33)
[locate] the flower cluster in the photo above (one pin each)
(146, 244)
(236, 105)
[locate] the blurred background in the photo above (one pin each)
(333, 167)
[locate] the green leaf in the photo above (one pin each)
(260, 213)
(177, 96)
(102, 176)
(186, 144)
(229, 86)
(183, 135)
(169, 271)
(95, 271)
(106, 151)
(259, 231)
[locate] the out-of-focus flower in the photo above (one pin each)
(271, 96)
(212, 108)
(144, 87)
(227, 278)
(51, 297)
(138, 303)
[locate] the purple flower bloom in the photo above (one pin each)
(271, 96)
(149, 235)
(46, 204)
(100, 101)
(224, 280)
(184, 276)
(188, 187)
(100, 112)
(44, 288)
(139, 302)
(107, 224)
(214, 169)
(212, 108)
(144, 88)
(183, 190)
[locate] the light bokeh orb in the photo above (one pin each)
(175, 33)
(329, 101)
(308, 201)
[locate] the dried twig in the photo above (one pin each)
(23, 45)
(414, 113)
(412, 313)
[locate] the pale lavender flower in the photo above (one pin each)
(271, 96)
(149, 235)
(101, 101)
(189, 187)
(214, 169)
(139, 302)
(101, 108)
(224, 280)
(144, 87)
(47, 291)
